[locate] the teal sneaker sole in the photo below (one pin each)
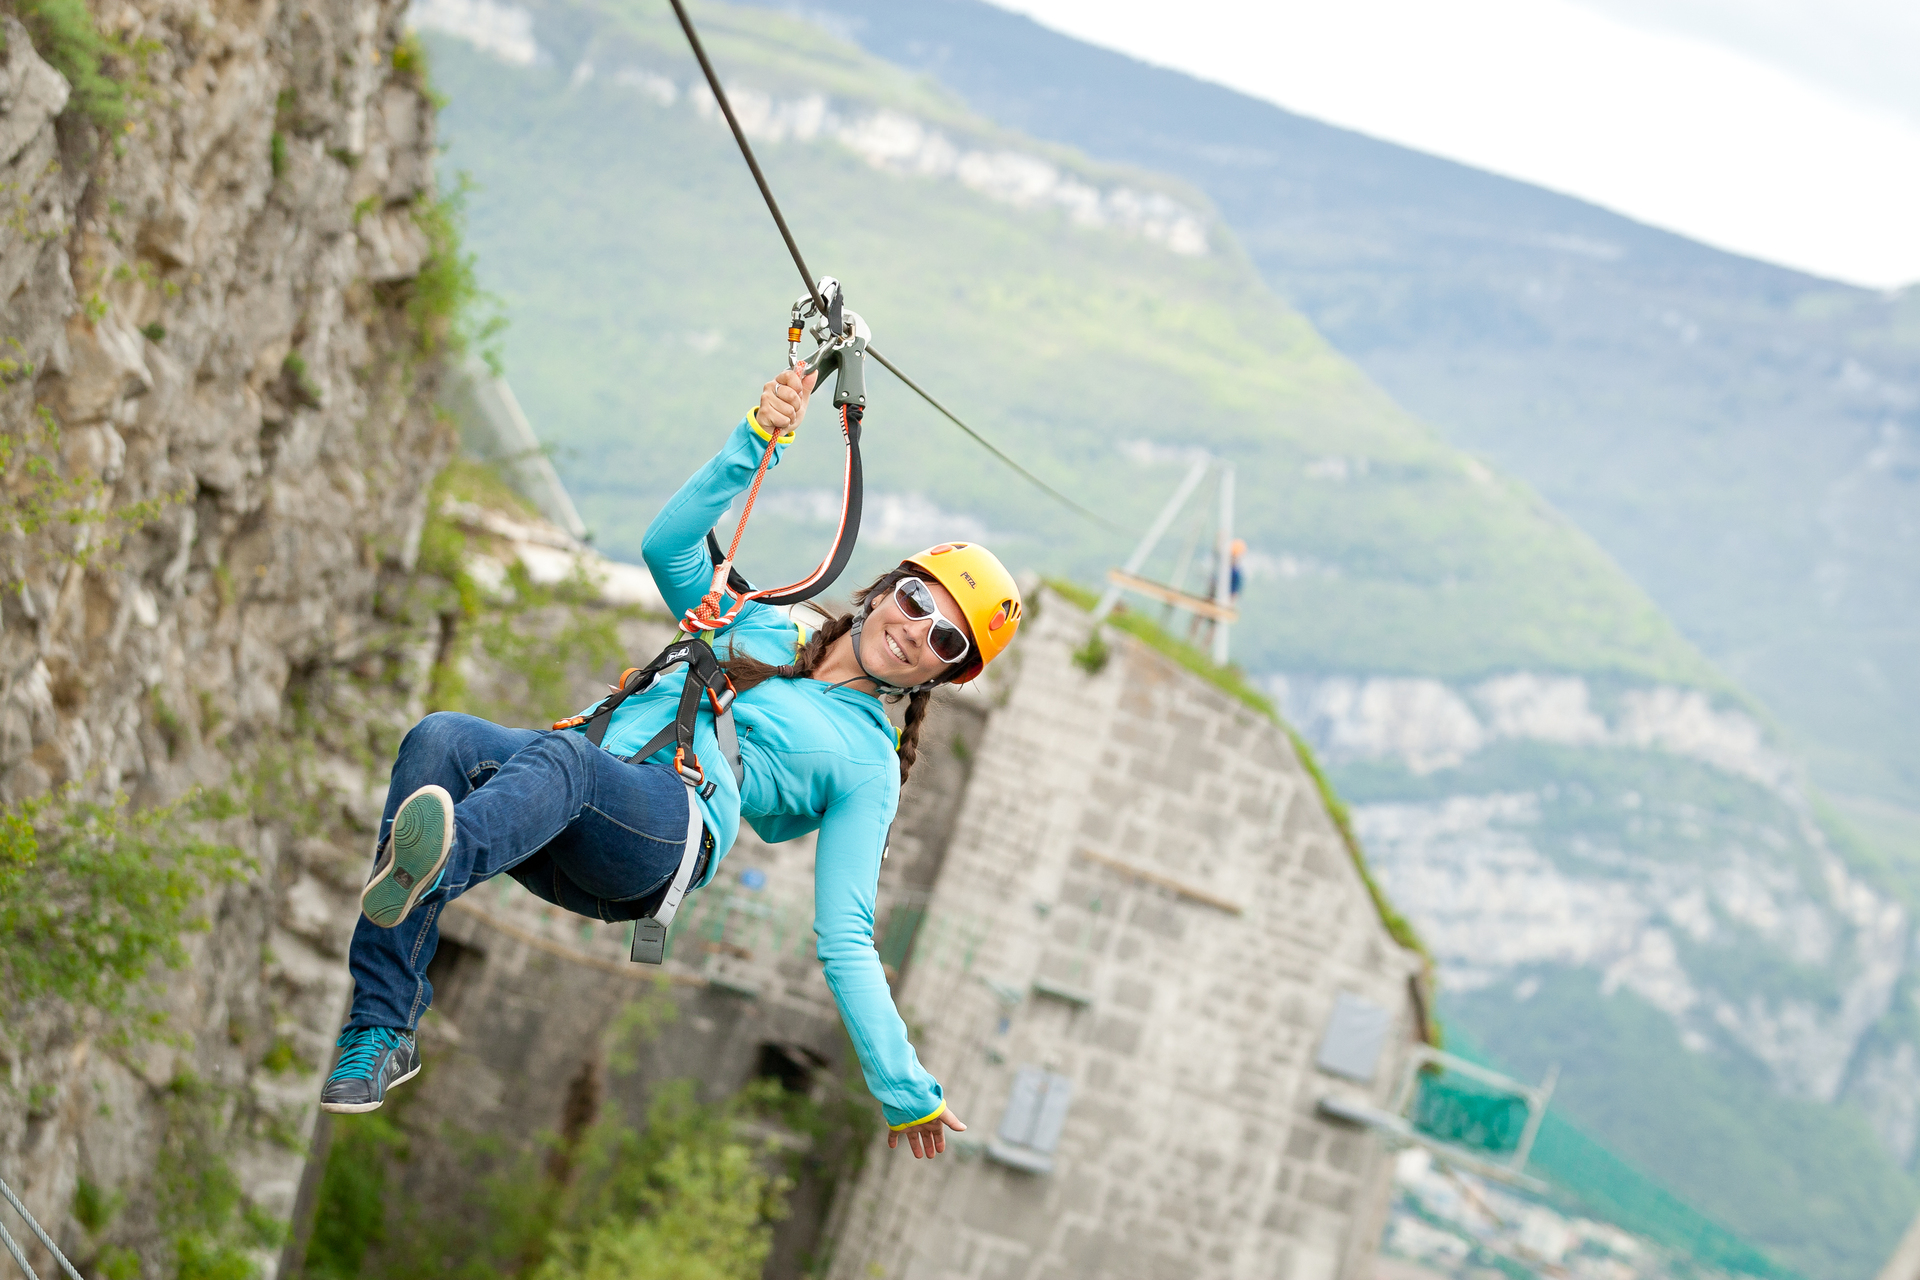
(417, 853)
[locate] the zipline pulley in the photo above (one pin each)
(843, 337)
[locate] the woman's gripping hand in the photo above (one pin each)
(783, 402)
(929, 1139)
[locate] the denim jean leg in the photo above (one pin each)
(389, 966)
(621, 828)
(629, 838)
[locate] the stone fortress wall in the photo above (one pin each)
(1125, 881)
(1128, 958)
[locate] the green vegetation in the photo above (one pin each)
(1092, 656)
(209, 1224)
(686, 1195)
(350, 1216)
(63, 519)
(451, 313)
(300, 380)
(1230, 679)
(104, 73)
(94, 897)
(691, 1193)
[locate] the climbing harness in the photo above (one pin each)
(844, 342)
(705, 676)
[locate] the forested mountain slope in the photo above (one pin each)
(1590, 822)
(1743, 438)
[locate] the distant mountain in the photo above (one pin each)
(1611, 854)
(1743, 438)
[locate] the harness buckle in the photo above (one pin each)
(571, 722)
(688, 767)
(721, 698)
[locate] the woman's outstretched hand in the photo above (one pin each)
(783, 402)
(930, 1139)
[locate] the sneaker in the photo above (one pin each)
(416, 854)
(372, 1060)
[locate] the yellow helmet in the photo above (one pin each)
(985, 590)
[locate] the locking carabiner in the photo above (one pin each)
(843, 337)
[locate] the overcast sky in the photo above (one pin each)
(1785, 129)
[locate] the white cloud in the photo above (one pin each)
(1730, 137)
(503, 30)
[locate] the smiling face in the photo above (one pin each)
(893, 647)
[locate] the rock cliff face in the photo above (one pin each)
(1576, 867)
(211, 309)
(1579, 849)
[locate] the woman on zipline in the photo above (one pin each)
(582, 828)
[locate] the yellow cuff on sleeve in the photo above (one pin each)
(753, 419)
(931, 1115)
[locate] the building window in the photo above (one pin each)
(1030, 1126)
(1356, 1033)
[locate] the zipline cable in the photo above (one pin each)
(984, 443)
(740, 136)
(806, 276)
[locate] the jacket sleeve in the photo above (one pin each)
(846, 873)
(675, 545)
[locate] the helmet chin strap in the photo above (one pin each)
(885, 688)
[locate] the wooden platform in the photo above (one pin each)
(1200, 605)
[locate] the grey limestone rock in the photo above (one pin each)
(191, 300)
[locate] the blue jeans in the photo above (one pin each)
(577, 826)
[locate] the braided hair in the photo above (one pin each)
(746, 671)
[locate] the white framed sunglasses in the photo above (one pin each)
(945, 638)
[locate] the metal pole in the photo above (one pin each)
(1223, 579)
(1537, 1100)
(1140, 553)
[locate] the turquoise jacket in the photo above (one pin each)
(816, 758)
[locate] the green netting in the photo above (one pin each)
(1454, 1108)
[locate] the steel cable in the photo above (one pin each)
(45, 1239)
(806, 276)
(984, 443)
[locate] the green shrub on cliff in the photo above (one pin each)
(93, 897)
(449, 309)
(65, 35)
(210, 1224)
(685, 1198)
(51, 516)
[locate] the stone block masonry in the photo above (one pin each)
(1159, 915)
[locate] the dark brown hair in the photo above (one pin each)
(746, 671)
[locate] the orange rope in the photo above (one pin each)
(706, 615)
